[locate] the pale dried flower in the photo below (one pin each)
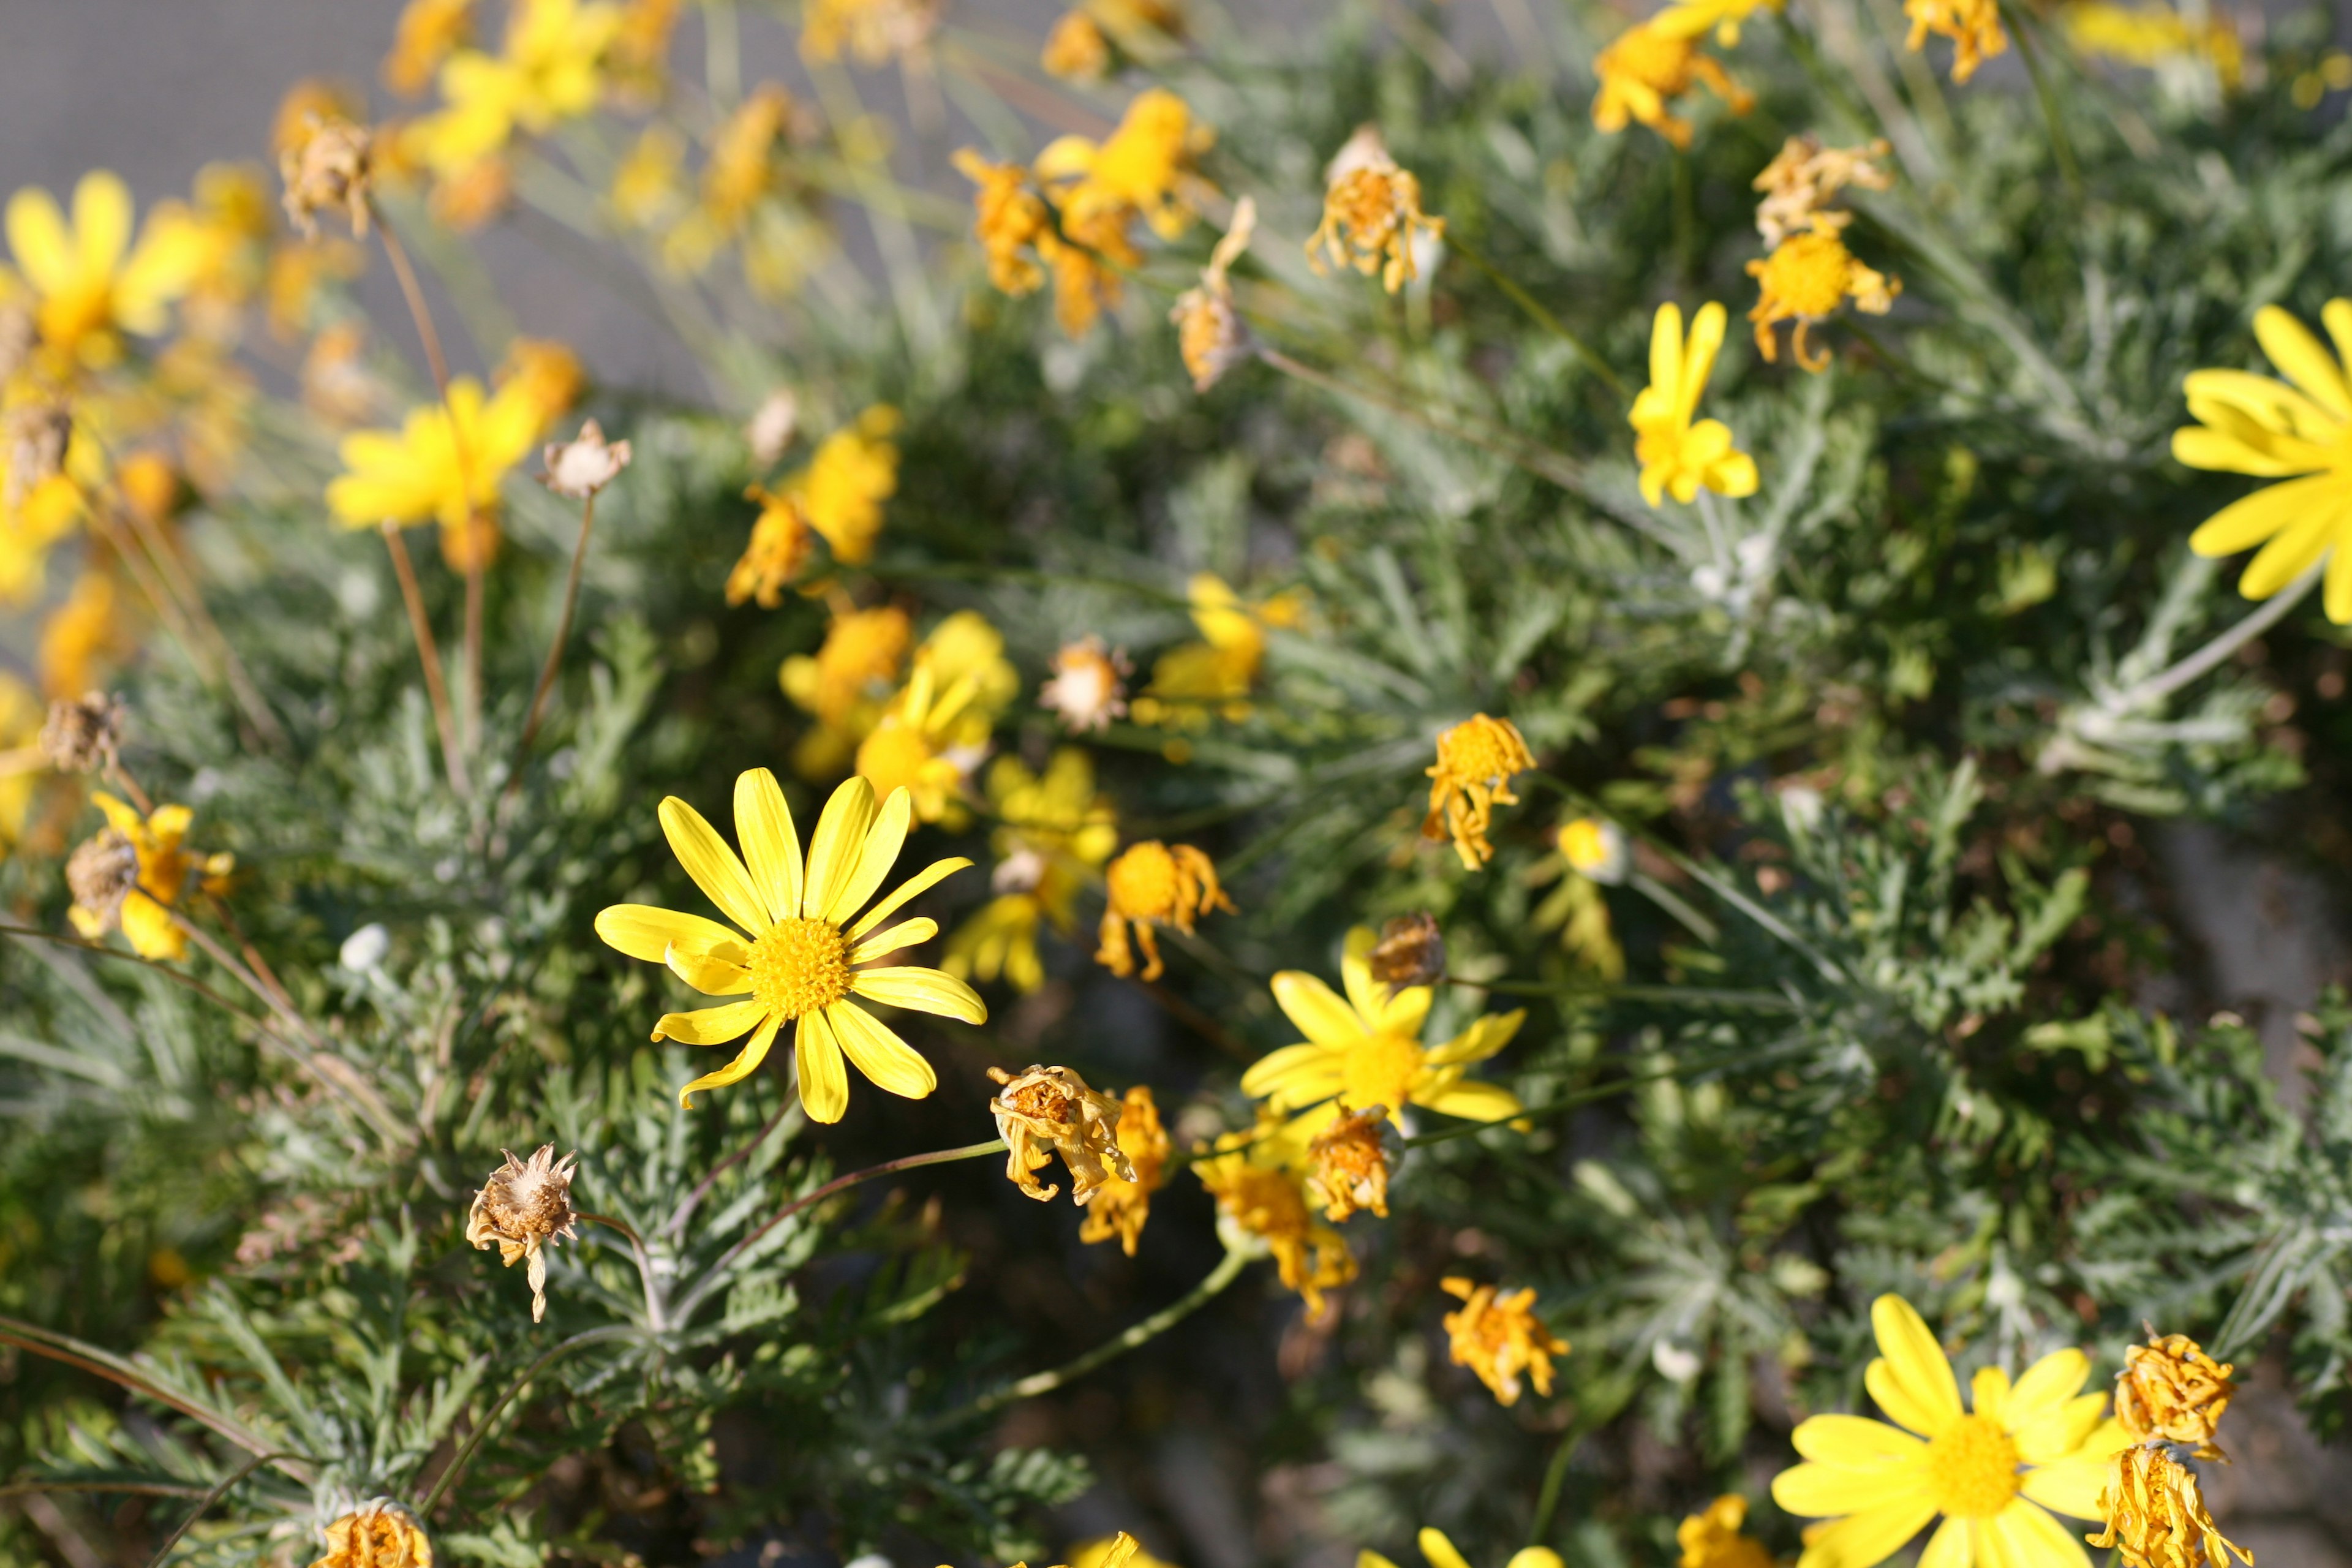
(82, 734)
(1088, 688)
(1410, 952)
(376, 1535)
(1209, 333)
(2155, 1517)
(585, 464)
(328, 166)
(36, 436)
(770, 429)
(19, 332)
(1800, 182)
(524, 1206)
(1050, 1110)
(101, 874)
(1347, 1163)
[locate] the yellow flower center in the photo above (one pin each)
(800, 966)
(1806, 275)
(1380, 1070)
(1143, 882)
(1973, 1469)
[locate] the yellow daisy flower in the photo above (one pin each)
(1499, 1338)
(1263, 1201)
(1677, 455)
(550, 70)
(430, 469)
(378, 1536)
(2249, 423)
(1366, 1051)
(801, 963)
(1973, 26)
(164, 868)
(1713, 1539)
(1121, 1208)
(88, 281)
(1055, 832)
(1144, 167)
(1443, 1553)
(1805, 278)
(1647, 66)
(1997, 1474)
(842, 490)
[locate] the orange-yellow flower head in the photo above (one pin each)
(781, 543)
(1009, 220)
(1646, 69)
(443, 465)
(1347, 1163)
(1501, 1339)
(139, 894)
(1371, 215)
(1151, 885)
(2155, 1516)
(1973, 26)
(1145, 166)
(376, 1535)
(1123, 1204)
(2171, 1390)
(1681, 454)
(1476, 760)
(1261, 1202)
(1805, 279)
(1713, 1539)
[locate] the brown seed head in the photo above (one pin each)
(2170, 1388)
(100, 875)
(1348, 1166)
(1410, 952)
(327, 166)
(524, 1206)
(82, 735)
(585, 464)
(1048, 1111)
(36, 436)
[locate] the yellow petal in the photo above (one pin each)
(150, 928)
(1666, 353)
(2336, 317)
(1297, 1075)
(712, 864)
(1482, 1040)
(876, 855)
(1950, 1547)
(1534, 1557)
(1698, 358)
(648, 932)
(1356, 972)
(2338, 595)
(1733, 476)
(924, 990)
(1440, 1552)
(37, 234)
(2046, 1386)
(102, 222)
(742, 1067)
(1368, 1558)
(2227, 452)
(833, 853)
(1989, 1394)
(2296, 548)
(711, 1025)
(906, 934)
(2300, 358)
(771, 848)
(1853, 1440)
(1317, 1011)
(2070, 1487)
(2031, 1538)
(824, 1083)
(2248, 521)
(720, 974)
(1867, 1540)
(1472, 1102)
(1914, 1383)
(1825, 1491)
(921, 882)
(2067, 1429)
(879, 1053)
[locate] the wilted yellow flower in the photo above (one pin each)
(2170, 1389)
(1009, 219)
(1259, 1196)
(856, 665)
(1365, 1049)
(428, 33)
(1499, 1338)
(1995, 1476)
(1049, 1110)
(1209, 335)
(1149, 886)
(873, 30)
(842, 490)
(39, 500)
(1347, 1163)
(436, 468)
(1086, 688)
(1075, 49)
(2155, 1516)
(1220, 669)
(376, 1535)
(1806, 278)
(1145, 166)
(1124, 1204)
(164, 867)
(523, 1208)
(89, 283)
(1410, 952)
(2250, 423)
(803, 965)
(1443, 1553)
(1476, 760)
(1055, 831)
(1973, 26)
(1371, 213)
(780, 542)
(1647, 66)
(90, 633)
(2149, 34)
(1804, 177)
(20, 722)
(1677, 455)
(550, 70)
(1714, 1540)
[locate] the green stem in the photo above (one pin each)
(1555, 1477)
(2061, 146)
(465, 1455)
(1537, 314)
(219, 1490)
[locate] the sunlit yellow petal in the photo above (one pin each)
(647, 931)
(2299, 357)
(2068, 1430)
(2248, 521)
(1853, 1440)
(720, 974)
(1913, 1384)
(876, 856)
(1295, 1074)
(1483, 1039)
(771, 847)
(1318, 1010)
(1473, 1102)
(2032, 1538)
(102, 222)
(712, 864)
(1666, 353)
(711, 1025)
(923, 990)
(2072, 1486)
(877, 1052)
(1949, 1547)
(2046, 1386)
(2296, 549)
(1989, 1394)
(825, 1082)
(1825, 1491)
(1698, 357)
(906, 934)
(1867, 1540)
(38, 239)
(833, 852)
(745, 1064)
(921, 882)
(1440, 1552)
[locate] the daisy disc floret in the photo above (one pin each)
(1995, 1471)
(803, 961)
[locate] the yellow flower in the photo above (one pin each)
(1499, 1338)
(165, 868)
(1056, 830)
(87, 635)
(1088, 688)
(544, 373)
(1713, 1539)
(1647, 66)
(1209, 335)
(801, 964)
(649, 183)
(1804, 280)
(1693, 17)
(1049, 1110)
(2170, 1389)
(1084, 288)
(40, 493)
(1476, 760)
(639, 55)
(550, 70)
(1379, 207)
(842, 490)
(1366, 1051)
(1119, 1550)
(377, 1535)
(1260, 1196)
(1008, 219)
(1442, 1554)
(934, 732)
(1145, 166)
(1075, 49)
(1223, 667)
(1994, 1474)
(2148, 35)
(2155, 1516)
(856, 664)
(1124, 1204)
(1677, 455)
(2249, 423)
(965, 644)
(739, 175)
(1149, 886)
(1347, 1163)
(1804, 177)
(873, 30)
(428, 33)
(1973, 26)
(779, 548)
(88, 281)
(433, 470)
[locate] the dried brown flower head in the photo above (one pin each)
(1410, 952)
(1347, 1164)
(1209, 333)
(585, 464)
(524, 1206)
(36, 436)
(2170, 1388)
(19, 333)
(1800, 182)
(1048, 1111)
(101, 874)
(376, 1535)
(770, 429)
(2156, 1517)
(82, 734)
(1123, 1205)
(326, 166)
(1089, 687)
(1371, 213)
